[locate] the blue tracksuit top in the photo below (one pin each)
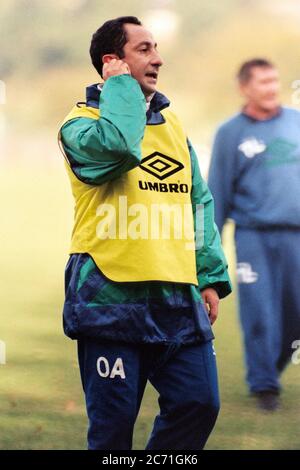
(255, 171)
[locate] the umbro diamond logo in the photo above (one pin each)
(160, 166)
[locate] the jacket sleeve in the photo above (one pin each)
(102, 149)
(210, 260)
(221, 176)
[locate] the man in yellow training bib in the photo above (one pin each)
(146, 267)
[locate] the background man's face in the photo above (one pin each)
(262, 90)
(142, 57)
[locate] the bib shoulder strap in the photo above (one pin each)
(82, 111)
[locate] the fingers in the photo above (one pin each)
(211, 302)
(213, 312)
(115, 67)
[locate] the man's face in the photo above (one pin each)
(262, 90)
(142, 57)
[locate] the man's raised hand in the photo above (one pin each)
(114, 67)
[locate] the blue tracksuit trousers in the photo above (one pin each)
(268, 274)
(114, 376)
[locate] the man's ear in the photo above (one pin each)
(108, 57)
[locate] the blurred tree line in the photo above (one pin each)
(45, 62)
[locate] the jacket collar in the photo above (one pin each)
(157, 104)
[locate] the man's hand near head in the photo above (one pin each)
(114, 67)
(211, 302)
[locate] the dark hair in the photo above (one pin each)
(244, 73)
(110, 38)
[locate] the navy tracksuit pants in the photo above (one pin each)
(268, 274)
(114, 376)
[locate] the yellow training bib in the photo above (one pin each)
(140, 227)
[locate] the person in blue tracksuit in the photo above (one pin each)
(137, 305)
(255, 180)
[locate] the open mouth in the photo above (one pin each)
(153, 75)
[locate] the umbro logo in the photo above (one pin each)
(252, 147)
(160, 166)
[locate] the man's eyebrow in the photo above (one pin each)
(146, 43)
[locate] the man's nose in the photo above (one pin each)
(275, 86)
(156, 59)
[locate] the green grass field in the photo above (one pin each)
(41, 402)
